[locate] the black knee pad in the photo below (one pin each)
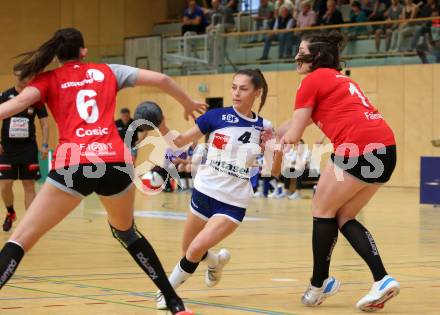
(126, 238)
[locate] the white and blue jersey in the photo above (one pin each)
(233, 145)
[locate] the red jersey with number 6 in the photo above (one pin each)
(343, 113)
(82, 99)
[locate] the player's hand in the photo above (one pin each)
(44, 153)
(289, 137)
(266, 136)
(194, 107)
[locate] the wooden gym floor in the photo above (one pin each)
(78, 268)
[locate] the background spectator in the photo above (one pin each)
(394, 12)
(431, 44)
(332, 16)
(232, 5)
(357, 16)
(193, 19)
(279, 3)
(424, 27)
(264, 19)
(282, 22)
(123, 125)
(305, 18)
(219, 14)
(405, 29)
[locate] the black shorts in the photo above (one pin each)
(375, 167)
(20, 171)
(20, 161)
(108, 179)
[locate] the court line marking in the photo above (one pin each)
(187, 301)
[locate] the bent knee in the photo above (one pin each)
(126, 238)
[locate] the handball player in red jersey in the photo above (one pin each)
(364, 158)
(90, 157)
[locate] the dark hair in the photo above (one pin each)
(356, 4)
(124, 110)
(64, 45)
(258, 81)
(325, 48)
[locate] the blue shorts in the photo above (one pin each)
(206, 207)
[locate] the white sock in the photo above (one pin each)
(182, 183)
(178, 276)
(211, 259)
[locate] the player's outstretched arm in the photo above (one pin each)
(26, 98)
(169, 86)
(180, 140)
(299, 122)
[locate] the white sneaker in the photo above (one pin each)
(315, 296)
(280, 195)
(258, 194)
(272, 194)
(214, 274)
(294, 196)
(380, 292)
(161, 304)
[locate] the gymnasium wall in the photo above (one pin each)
(26, 24)
(407, 96)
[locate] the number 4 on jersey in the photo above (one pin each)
(245, 138)
(354, 90)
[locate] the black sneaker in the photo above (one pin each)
(10, 218)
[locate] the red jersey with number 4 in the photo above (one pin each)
(82, 99)
(343, 113)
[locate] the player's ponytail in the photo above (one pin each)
(325, 49)
(65, 44)
(259, 82)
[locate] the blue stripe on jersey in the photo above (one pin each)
(219, 118)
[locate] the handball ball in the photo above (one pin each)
(149, 111)
(152, 180)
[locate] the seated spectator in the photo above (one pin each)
(193, 19)
(357, 16)
(431, 44)
(405, 29)
(220, 18)
(283, 22)
(424, 27)
(264, 19)
(305, 18)
(394, 12)
(232, 5)
(279, 3)
(332, 16)
(319, 7)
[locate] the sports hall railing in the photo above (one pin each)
(218, 52)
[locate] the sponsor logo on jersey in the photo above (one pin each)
(82, 132)
(230, 169)
(220, 141)
(96, 148)
(92, 75)
(230, 118)
(373, 116)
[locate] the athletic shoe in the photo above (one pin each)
(258, 194)
(381, 291)
(214, 274)
(315, 296)
(280, 195)
(161, 304)
(175, 305)
(10, 218)
(294, 196)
